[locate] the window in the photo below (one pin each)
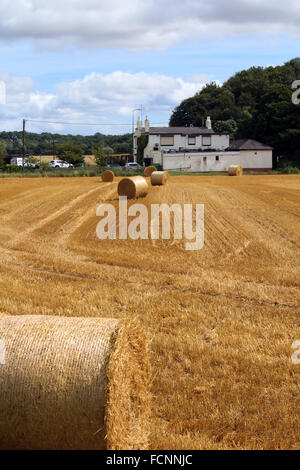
(217, 158)
(206, 140)
(166, 140)
(191, 140)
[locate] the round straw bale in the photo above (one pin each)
(133, 187)
(149, 170)
(158, 178)
(54, 387)
(107, 176)
(235, 170)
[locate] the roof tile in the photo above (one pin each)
(248, 144)
(180, 130)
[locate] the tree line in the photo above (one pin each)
(47, 143)
(254, 103)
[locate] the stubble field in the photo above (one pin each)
(221, 320)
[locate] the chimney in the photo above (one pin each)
(146, 124)
(208, 122)
(139, 123)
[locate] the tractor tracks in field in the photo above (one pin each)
(163, 289)
(79, 210)
(52, 217)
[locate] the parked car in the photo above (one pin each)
(133, 166)
(60, 164)
(30, 165)
(115, 166)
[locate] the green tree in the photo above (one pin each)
(42, 144)
(101, 155)
(215, 101)
(229, 127)
(141, 144)
(3, 154)
(71, 153)
(258, 100)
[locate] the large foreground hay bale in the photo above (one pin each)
(235, 170)
(128, 409)
(158, 178)
(107, 176)
(133, 187)
(54, 389)
(149, 170)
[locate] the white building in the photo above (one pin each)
(254, 155)
(198, 149)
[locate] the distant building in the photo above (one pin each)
(198, 149)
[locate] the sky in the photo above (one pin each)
(94, 61)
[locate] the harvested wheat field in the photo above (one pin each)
(221, 320)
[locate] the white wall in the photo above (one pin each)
(219, 142)
(196, 162)
(257, 158)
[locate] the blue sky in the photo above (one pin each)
(94, 62)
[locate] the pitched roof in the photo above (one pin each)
(180, 130)
(248, 144)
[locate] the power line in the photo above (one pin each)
(77, 123)
(86, 123)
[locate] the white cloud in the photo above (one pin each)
(141, 24)
(96, 98)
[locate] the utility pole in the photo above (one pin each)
(23, 146)
(133, 111)
(141, 106)
(54, 149)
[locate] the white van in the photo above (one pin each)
(19, 162)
